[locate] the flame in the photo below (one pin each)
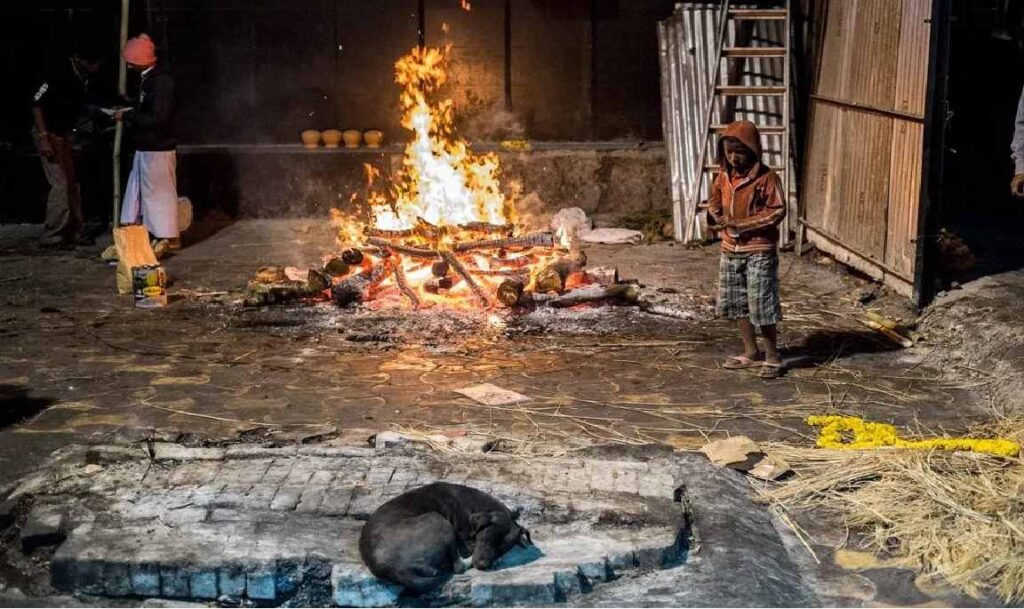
(441, 182)
(372, 173)
(465, 5)
(349, 228)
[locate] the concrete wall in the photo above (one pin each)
(272, 182)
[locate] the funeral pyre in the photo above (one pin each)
(442, 232)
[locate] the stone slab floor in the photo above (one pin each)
(280, 525)
(79, 365)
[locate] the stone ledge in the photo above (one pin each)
(270, 525)
(236, 560)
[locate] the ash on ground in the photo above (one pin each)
(441, 328)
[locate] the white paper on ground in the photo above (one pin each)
(492, 395)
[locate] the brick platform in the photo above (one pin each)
(280, 525)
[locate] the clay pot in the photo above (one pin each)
(332, 138)
(310, 138)
(352, 137)
(373, 137)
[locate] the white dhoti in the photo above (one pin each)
(151, 196)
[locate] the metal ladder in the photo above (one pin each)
(723, 91)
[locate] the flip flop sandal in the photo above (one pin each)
(771, 371)
(739, 362)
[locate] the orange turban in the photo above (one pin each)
(140, 51)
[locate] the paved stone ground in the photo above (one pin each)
(79, 363)
(81, 366)
(280, 525)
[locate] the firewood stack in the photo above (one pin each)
(430, 263)
(477, 265)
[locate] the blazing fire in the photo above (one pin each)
(442, 232)
(442, 182)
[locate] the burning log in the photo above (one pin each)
(336, 267)
(434, 232)
(439, 269)
(405, 250)
(403, 284)
(625, 293)
(604, 275)
(495, 272)
(428, 230)
(490, 229)
(552, 277)
(435, 285)
(531, 240)
(517, 262)
(389, 234)
(510, 291)
(318, 281)
(352, 256)
(353, 288)
(261, 294)
(461, 271)
(270, 274)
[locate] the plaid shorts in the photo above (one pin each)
(748, 287)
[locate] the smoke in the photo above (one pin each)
(491, 123)
(533, 214)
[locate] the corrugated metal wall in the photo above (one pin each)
(862, 179)
(688, 44)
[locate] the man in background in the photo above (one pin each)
(151, 195)
(58, 98)
(1017, 152)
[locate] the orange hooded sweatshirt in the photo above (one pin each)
(751, 205)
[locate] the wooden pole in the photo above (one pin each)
(122, 89)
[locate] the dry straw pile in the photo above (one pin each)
(954, 516)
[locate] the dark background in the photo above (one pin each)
(985, 79)
(253, 72)
(260, 71)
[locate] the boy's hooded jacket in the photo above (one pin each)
(751, 205)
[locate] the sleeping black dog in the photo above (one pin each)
(419, 538)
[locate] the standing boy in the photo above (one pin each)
(151, 196)
(746, 205)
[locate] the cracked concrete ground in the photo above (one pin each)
(81, 366)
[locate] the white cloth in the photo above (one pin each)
(613, 236)
(571, 219)
(1017, 144)
(151, 196)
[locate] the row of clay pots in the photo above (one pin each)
(332, 138)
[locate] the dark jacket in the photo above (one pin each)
(151, 123)
(59, 92)
(751, 205)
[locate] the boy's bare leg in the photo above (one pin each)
(749, 340)
(771, 348)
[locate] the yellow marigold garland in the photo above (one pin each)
(879, 435)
